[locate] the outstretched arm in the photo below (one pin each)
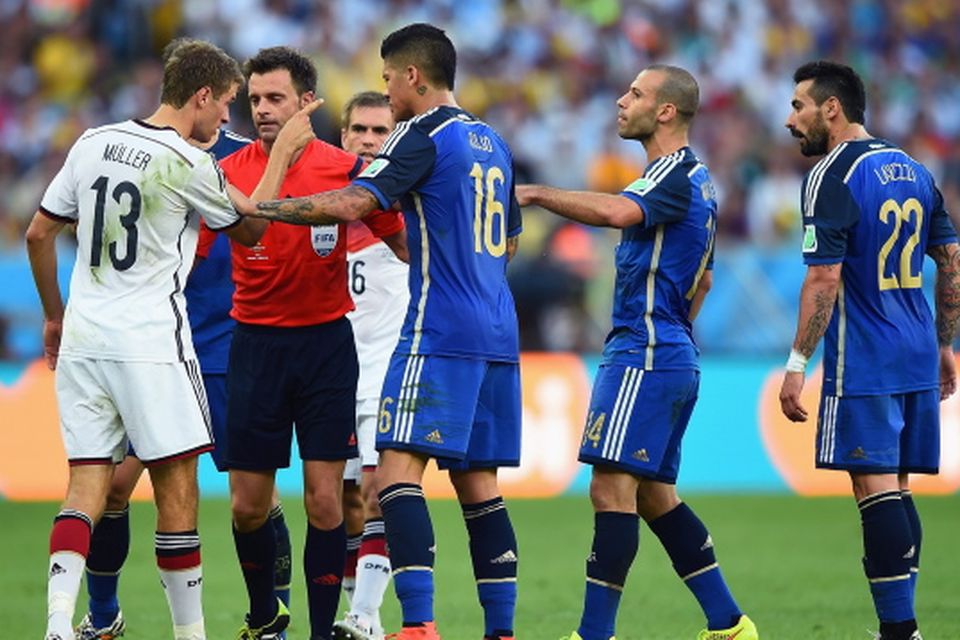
(947, 303)
(588, 207)
(330, 207)
(817, 299)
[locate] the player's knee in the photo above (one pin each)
(608, 495)
(323, 508)
(248, 515)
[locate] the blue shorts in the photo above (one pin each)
(216, 387)
(637, 419)
(285, 378)
(463, 412)
(897, 433)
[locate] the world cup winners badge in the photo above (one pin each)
(324, 239)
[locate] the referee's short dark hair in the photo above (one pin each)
(303, 72)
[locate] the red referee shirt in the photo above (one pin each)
(297, 275)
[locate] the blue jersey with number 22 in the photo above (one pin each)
(872, 208)
(453, 177)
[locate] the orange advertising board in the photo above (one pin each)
(556, 390)
(33, 465)
(791, 445)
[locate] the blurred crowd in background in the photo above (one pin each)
(546, 74)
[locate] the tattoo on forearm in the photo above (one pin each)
(823, 300)
(817, 325)
(319, 208)
(947, 298)
(293, 210)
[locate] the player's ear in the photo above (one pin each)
(203, 95)
(666, 112)
(413, 76)
(307, 98)
(832, 107)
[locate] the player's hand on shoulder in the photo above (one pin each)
(948, 373)
(790, 397)
(52, 330)
(298, 131)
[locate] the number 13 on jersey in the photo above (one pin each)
(489, 214)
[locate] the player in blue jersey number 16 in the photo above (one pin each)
(452, 389)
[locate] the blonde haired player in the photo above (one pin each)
(378, 284)
(126, 368)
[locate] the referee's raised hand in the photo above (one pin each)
(298, 130)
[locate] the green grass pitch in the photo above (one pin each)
(792, 563)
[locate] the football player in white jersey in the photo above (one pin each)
(122, 348)
(378, 284)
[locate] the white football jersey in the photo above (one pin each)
(378, 284)
(135, 191)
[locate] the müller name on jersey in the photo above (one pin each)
(136, 158)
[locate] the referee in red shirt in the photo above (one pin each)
(293, 362)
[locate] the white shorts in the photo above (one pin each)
(368, 411)
(161, 407)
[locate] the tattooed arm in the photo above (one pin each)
(817, 299)
(947, 303)
(329, 207)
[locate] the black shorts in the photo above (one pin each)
(285, 377)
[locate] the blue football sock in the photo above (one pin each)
(916, 530)
(616, 537)
(323, 558)
(688, 543)
(493, 549)
(109, 546)
(411, 543)
(888, 554)
(283, 568)
(256, 552)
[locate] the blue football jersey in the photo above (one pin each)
(209, 289)
(876, 210)
(660, 263)
(453, 177)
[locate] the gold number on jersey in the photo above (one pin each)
(488, 212)
(385, 421)
(593, 430)
(901, 213)
(703, 260)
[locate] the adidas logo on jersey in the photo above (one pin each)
(641, 455)
(858, 454)
(506, 557)
(434, 437)
(911, 553)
